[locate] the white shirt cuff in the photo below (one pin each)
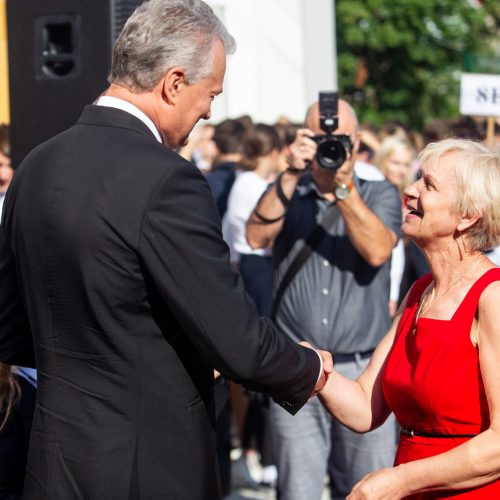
(320, 366)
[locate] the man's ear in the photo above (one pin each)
(173, 83)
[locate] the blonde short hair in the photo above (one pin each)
(387, 148)
(477, 170)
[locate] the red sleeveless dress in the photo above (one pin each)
(432, 383)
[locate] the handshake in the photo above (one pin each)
(326, 371)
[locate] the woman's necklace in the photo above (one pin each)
(425, 304)
(422, 306)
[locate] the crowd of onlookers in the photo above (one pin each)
(17, 384)
(226, 150)
(240, 159)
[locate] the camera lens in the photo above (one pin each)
(331, 153)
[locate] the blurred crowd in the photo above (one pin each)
(225, 151)
(240, 160)
(17, 384)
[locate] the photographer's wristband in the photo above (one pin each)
(266, 220)
(294, 170)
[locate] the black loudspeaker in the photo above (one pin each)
(59, 60)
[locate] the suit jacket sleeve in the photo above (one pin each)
(16, 343)
(182, 248)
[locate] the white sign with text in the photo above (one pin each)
(480, 94)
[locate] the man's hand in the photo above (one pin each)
(345, 173)
(327, 180)
(327, 360)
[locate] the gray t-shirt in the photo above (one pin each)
(336, 301)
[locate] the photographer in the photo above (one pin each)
(333, 235)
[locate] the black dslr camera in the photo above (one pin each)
(332, 149)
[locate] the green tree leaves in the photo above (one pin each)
(401, 59)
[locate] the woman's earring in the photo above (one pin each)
(463, 241)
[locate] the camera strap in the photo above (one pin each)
(331, 214)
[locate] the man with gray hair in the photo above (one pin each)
(115, 278)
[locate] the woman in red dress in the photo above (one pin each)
(438, 368)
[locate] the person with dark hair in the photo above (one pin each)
(6, 170)
(17, 405)
(368, 145)
(465, 127)
(393, 128)
(435, 130)
(260, 153)
(17, 385)
(286, 131)
(6, 175)
(365, 152)
(246, 121)
(114, 272)
(228, 136)
(5, 139)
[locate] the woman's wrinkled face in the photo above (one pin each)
(428, 213)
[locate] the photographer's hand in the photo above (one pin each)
(328, 180)
(302, 150)
(345, 173)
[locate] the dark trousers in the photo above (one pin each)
(257, 274)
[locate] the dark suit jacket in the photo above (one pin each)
(111, 256)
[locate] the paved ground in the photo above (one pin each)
(244, 485)
(245, 494)
(245, 488)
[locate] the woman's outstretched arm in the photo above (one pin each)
(360, 404)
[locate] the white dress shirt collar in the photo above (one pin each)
(115, 102)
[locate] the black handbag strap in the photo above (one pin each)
(320, 231)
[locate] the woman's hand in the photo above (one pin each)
(384, 484)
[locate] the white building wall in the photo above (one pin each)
(285, 55)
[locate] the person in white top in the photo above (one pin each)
(261, 146)
(260, 159)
